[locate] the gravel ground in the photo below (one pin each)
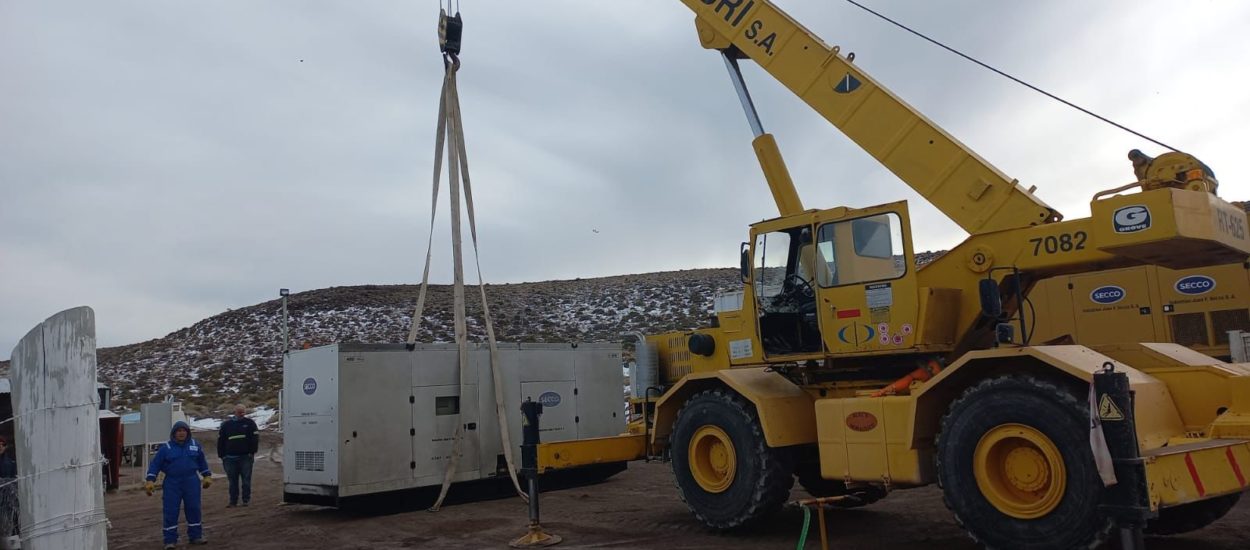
(638, 508)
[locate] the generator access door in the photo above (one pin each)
(436, 411)
(374, 442)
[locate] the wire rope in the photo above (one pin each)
(1013, 78)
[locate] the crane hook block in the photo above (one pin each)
(449, 31)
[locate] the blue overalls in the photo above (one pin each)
(183, 464)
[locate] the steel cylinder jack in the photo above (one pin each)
(530, 412)
(1126, 502)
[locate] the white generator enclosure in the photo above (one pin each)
(372, 418)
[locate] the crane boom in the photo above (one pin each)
(965, 187)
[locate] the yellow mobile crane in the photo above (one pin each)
(846, 367)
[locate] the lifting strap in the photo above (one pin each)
(450, 131)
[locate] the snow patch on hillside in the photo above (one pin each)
(262, 416)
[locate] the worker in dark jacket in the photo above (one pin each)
(237, 441)
(182, 460)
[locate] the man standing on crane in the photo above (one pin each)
(237, 441)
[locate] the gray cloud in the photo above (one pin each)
(162, 162)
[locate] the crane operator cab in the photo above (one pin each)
(835, 269)
(785, 291)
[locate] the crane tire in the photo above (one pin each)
(761, 476)
(1192, 516)
(1016, 469)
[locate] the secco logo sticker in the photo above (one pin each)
(1131, 219)
(310, 386)
(1107, 295)
(549, 399)
(1195, 284)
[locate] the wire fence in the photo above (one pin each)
(9, 500)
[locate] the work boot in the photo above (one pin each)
(198, 542)
(245, 503)
(171, 546)
(232, 505)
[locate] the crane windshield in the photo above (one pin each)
(860, 250)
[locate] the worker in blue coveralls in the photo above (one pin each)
(186, 471)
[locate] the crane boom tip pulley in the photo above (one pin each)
(450, 29)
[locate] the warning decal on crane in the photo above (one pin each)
(1107, 409)
(879, 295)
(740, 349)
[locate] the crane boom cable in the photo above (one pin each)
(1014, 79)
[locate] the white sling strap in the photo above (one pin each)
(451, 132)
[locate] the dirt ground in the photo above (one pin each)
(637, 508)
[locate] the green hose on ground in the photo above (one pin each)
(807, 522)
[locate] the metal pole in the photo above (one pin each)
(824, 534)
(740, 86)
(286, 333)
(533, 493)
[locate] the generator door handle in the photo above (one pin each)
(471, 426)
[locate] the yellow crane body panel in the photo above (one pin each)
(1195, 307)
(869, 439)
(1196, 471)
(785, 410)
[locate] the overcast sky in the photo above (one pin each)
(163, 161)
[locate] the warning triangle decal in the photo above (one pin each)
(1107, 409)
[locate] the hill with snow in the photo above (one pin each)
(236, 356)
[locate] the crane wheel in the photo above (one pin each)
(725, 471)
(1015, 466)
(809, 478)
(1192, 516)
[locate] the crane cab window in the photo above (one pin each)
(785, 268)
(772, 252)
(860, 250)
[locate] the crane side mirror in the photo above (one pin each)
(745, 262)
(991, 299)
